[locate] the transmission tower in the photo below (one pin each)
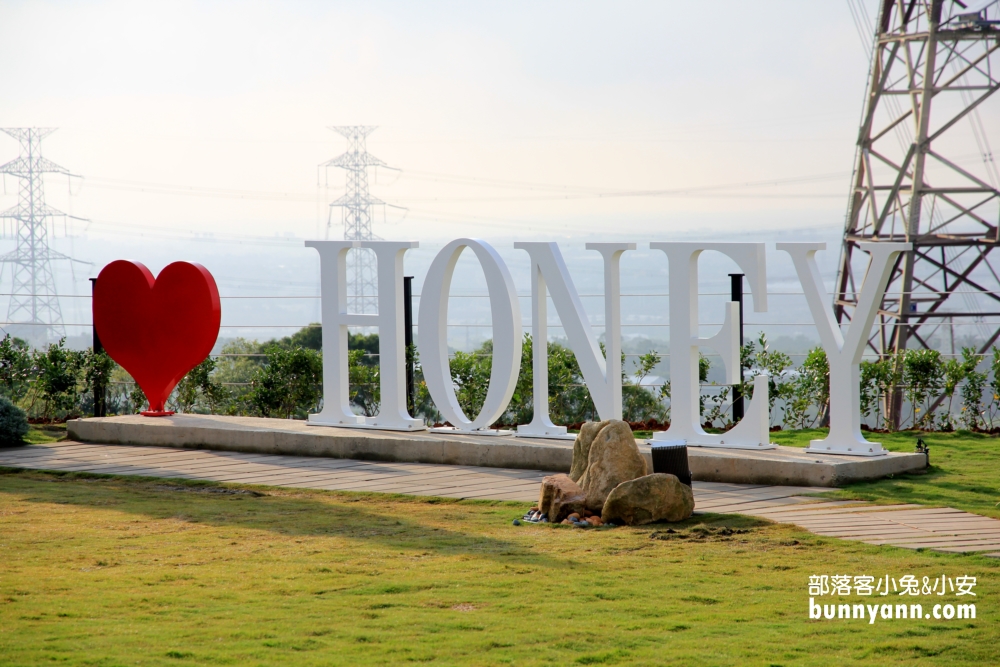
(356, 206)
(34, 301)
(929, 180)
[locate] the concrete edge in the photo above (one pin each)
(489, 453)
(706, 465)
(708, 468)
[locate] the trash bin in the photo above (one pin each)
(672, 458)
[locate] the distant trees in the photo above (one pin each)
(283, 378)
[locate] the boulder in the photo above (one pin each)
(581, 448)
(613, 458)
(560, 496)
(656, 497)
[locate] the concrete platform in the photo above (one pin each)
(785, 466)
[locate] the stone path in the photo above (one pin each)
(292, 471)
(910, 526)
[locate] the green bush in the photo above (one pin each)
(59, 378)
(13, 424)
(200, 392)
(289, 384)
(363, 381)
(641, 403)
(808, 404)
(17, 368)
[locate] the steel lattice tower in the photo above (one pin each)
(34, 300)
(356, 205)
(928, 179)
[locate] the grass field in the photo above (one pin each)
(118, 571)
(41, 434)
(964, 472)
(125, 571)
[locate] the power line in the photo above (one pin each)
(546, 191)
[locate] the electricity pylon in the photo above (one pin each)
(928, 178)
(356, 205)
(34, 300)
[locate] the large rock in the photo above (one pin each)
(656, 497)
(613, 458)
(581, 448)
(560, 496)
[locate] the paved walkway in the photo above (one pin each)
(911, 526)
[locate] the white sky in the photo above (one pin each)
(513, 116)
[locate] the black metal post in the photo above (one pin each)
(100, 406)
(408, 341)
(736, 292)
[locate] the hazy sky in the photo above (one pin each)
(506, 119)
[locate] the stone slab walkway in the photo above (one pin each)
(910, 526)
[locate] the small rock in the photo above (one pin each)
(560, 496)
(656, 497)
(517, 522)
(575, 516)
(594, 521)
(566, 522)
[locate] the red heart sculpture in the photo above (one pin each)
(157, 329)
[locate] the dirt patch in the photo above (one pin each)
(208, 489)
(700, 534)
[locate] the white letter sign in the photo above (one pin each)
(844, 353)
(337, 411)
(685, 391)
(601, 372)
(432, 336)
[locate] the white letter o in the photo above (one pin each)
(432, 334)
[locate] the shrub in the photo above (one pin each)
(877, 381)
(470, 372)
(364, 382)
(59, 375)
(809, 402)
(200, 392)
(760, 359)
(569, 400)
(289, 384)
(972, 390)
(13, 424)
(993, 407)
(639, 403)
(923, 373)
(17, 368)
(957, 371)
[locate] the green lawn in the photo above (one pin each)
(964, 471)
(120, 571)
(40, 434)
